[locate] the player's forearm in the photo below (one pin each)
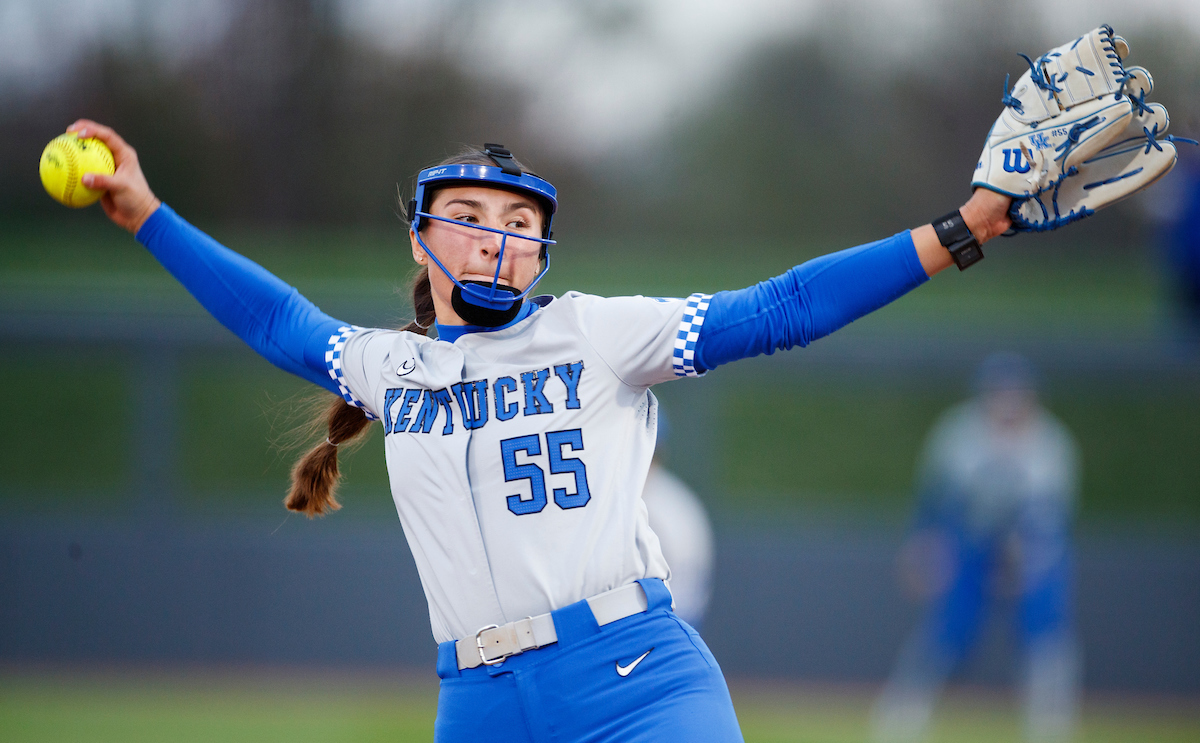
(808, 302)
(266, 313)
(985, 214)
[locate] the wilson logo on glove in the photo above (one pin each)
(1015, 165)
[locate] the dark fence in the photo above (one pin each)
(805, 600)
(808, 603)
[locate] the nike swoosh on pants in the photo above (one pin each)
(624, 671)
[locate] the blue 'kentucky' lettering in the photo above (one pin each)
(389, 398)
(1014, 162)
(443, 399)
(426, 416)
(570, 374)
(504, 410)
(406, 403)
(419, 409)
(535, 399)
(472, 402)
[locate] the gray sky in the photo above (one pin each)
(600, 74)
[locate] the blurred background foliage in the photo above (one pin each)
(288, 117)
(291, 132)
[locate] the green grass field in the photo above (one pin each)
(298, 707)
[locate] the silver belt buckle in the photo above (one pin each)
(479, 644)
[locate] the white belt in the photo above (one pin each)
(493, 643)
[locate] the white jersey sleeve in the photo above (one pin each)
(354, 360)
(644, 340)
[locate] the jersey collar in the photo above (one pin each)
(451, 333)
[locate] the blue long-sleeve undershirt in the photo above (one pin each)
(808, 302)
(269, 315)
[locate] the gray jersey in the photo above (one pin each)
(995, 477)
(517, 457)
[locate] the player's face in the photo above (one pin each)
(471, 254)
(1010, 408)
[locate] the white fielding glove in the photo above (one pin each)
(1076, 134)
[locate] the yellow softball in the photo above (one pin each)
(65, 160)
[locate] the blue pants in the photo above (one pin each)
(1045, 593)
(571, 691)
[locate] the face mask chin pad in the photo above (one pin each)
(474, 314)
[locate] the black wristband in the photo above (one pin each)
(954, 236)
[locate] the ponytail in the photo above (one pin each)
(315, 476)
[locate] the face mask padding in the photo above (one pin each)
(474, 314)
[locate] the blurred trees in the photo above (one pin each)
(821, 140)
(286, 119)
(289, 118)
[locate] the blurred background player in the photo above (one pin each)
(1178, 214)
(680, 520)
(997, 489)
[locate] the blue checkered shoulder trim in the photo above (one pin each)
(333, 364)
(684, 360)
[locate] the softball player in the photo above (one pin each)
(518, 442)
(998, 487)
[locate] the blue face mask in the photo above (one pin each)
(488, 304)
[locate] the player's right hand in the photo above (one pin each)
(128, 200)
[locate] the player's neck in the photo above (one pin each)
(452, 332)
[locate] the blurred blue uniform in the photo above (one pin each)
(998, 484)
(1181, 238)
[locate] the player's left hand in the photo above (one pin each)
(986, 214)
(128, 200)
(1076, 134)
